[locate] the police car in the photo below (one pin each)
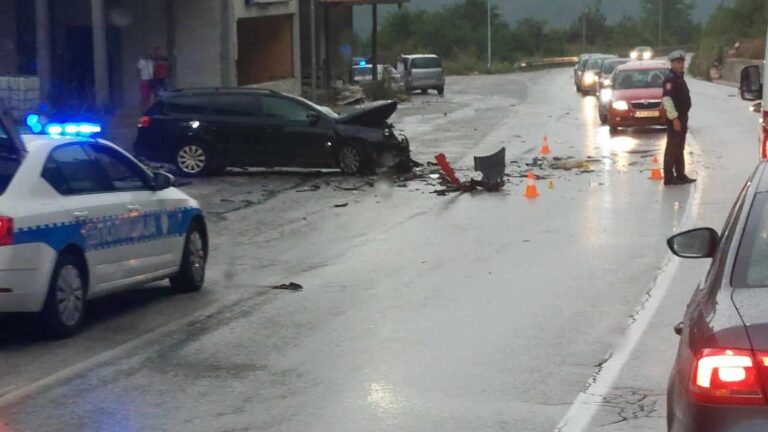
(80, 218)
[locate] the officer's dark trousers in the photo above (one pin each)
(674, 153)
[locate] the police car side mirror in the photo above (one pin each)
(162, 180)
(750, 86)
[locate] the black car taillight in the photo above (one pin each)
(144, 122)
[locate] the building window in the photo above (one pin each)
(264, 49)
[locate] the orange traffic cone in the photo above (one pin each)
(530, 190)
(545, 150)
(656, 171)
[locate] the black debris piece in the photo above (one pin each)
(291, 286)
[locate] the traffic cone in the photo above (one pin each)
(656, 171)
(545, 150)
(530, 190)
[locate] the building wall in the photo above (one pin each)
(265, 49)
(198, 37)
(8, 58)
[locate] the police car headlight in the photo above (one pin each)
(605, 95)
(620, 105)
(589, 77)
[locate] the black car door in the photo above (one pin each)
(249, 137)
(300, 134)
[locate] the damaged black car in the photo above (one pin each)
(204, 131)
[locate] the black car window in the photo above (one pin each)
(187, 104)
(284, 109)
(235, 105)
(123, 173)
(751, 269)
(71, 171)
(9, 159)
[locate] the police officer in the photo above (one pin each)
(677, 102)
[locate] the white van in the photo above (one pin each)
(751, 88)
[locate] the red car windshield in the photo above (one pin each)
(638, 79)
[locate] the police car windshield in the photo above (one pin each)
(638, 79)
(9, 160)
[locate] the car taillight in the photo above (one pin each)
(144, 122)
(729, 377)
(6, 231)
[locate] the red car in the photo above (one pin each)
(636, 95)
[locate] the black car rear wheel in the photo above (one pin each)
(350, 159)
(193, 159)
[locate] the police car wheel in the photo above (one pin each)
(193, 159)
(191, 275)
(65, 305)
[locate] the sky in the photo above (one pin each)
(557, 12)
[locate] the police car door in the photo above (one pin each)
(151, 250)
(88, 200)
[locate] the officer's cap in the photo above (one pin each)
(676, 55)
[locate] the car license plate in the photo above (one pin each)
(647, 114)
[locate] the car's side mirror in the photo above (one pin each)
(696, 243)
(162, 180)
(313, 117)
(757, 107)
(750, 86)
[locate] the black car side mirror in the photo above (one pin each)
(162, 180)
(313, 117)
(757, 107)
(696, 243)
(750, 86)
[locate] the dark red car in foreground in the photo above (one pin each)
(636, 95)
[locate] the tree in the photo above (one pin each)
(678, 25)
(595, 22)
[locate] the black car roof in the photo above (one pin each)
(214, 90)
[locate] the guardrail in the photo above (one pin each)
(536, 63)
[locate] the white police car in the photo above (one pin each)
(80, 218)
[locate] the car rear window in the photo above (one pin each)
(9, 160)
(636, 79)
(188, 104)
(751, 269)
(426, 63)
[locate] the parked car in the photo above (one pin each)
(642, 53)
(83, 219)
(364, 73)
(204, 131)
(591, 73)
(604, 86)
(752, 89)
(636, 95)
(719, 380)
(422, 72)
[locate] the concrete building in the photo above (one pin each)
(86, 51)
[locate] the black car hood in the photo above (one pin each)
(372, 115)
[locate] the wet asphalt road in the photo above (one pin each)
(419, 312)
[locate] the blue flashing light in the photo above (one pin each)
(72, 129)
(362, 63)
(33, 121)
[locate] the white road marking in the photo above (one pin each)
(589, 401)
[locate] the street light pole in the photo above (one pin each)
(313, 50)
(489, 35)
(661, 18)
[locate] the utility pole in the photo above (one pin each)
(661, 20)
(489, 35)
